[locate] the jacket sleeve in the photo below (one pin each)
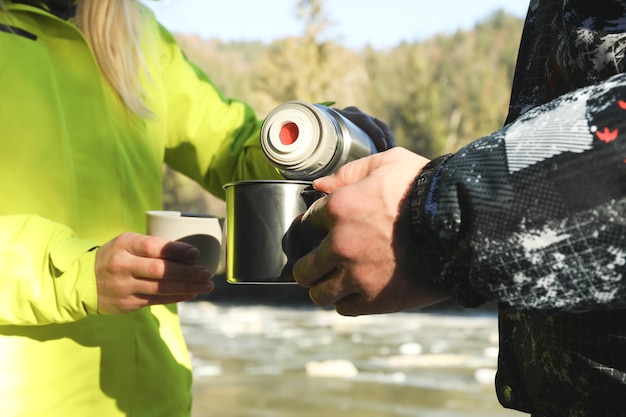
(210, 138)
(47, 272)
(534, 215)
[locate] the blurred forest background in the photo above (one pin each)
(436, 95)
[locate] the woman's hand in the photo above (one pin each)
(135, 271)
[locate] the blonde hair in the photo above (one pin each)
(113, 29)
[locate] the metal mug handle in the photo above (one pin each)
(298, 242)
(310, 195)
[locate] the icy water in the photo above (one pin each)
(263, 361)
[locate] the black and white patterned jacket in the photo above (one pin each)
(533, 215)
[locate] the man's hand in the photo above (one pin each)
(367, 262)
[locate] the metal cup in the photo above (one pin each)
(263, 234)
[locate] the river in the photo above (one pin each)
(268, 361)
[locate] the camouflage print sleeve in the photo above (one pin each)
(534, 214)
(538, 209)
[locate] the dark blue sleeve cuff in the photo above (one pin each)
(439, 251)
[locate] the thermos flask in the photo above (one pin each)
(306, 141)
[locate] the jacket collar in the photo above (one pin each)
(63, 9)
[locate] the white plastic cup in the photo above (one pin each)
(203, 231)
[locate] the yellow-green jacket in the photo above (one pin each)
(76, 169)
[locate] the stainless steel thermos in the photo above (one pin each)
(306, 141)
